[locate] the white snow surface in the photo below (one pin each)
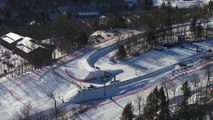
(77, 71)
(111, 109)
(182, 3)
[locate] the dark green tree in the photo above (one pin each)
(121, 54)
(186, 90)
(151, 107)
(163, 5)
(199, 30)
(83, 38)
(164, 113)
(11, 3)
(169, 5)
(211, 7)
(151, 37)
(148, 4)
(7, 14)
(183, 112)
(116, 20)
(127, 112)
(193, 26)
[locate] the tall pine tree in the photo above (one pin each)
(183, 113)
(199, 30)
(148, 4)
(127, 112)
(164, 113)
(151, 107)
(193, 26)
(121, 54)
(186, 90)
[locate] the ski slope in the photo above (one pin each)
(103, 111)
(182, 3)
(71, 76)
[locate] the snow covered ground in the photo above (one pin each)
(103, 111)
(182, 3)
(8, 61)
(75, 72)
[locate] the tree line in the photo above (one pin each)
(67, 33)
(194, 102)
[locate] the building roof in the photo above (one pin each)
(11, 37)
(88, 14)
(24, 48)
(25, 44)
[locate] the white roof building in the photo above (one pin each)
(23, 43)
(27, 45)
(11, 37)
(27, 48)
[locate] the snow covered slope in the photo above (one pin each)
(76, 72)
(181, 3)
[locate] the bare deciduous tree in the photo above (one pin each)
(165, 84)
(52, 96)
(208, 73)
(26, 111)
(139, 102)
(171, 87)
(195, 80)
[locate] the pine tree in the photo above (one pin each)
(151, 37)
(186, 90)
(193, 26)
(163, 5)
(83, 38)
(183, 112)
(211, 7)
(148, 4)
(127, 112)
(121, 54)
(163, 106)
(151, 107)
(199, 30)
(169, 5)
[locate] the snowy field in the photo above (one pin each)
(8, 61)
(103, 111)
(71, 76)
(182, 3)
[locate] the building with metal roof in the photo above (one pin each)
(27, 48)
